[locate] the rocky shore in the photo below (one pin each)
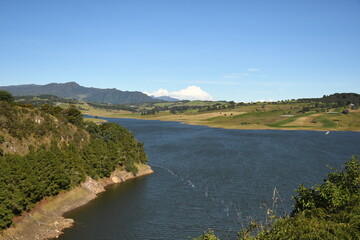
(46, 221)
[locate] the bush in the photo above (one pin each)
(208, 235)
(131, 168)
(73, 116)
(6, 96)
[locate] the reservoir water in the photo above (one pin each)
(208, 178)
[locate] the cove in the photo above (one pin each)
(208, 178)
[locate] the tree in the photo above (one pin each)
(6, 96)
(74, 116)
(232, 104)
(208, 235)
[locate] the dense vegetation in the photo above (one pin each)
(327, 211)
(125, 107)
(335, 100)
(61, 150)
(6, 96)
(44, 99)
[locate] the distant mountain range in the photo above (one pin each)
(75, 91)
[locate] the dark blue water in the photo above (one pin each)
(209, 178)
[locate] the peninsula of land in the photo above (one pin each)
(52, 161)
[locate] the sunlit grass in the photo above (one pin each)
(254, 116)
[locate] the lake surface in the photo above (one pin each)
(208, 178)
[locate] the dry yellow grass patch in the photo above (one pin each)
(104, 112)
(230, 126)
(304, 121)
(191, 118)
(89, 110)
(95, 120)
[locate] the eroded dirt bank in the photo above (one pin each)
(46, 220)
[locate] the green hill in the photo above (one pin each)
(49, 149)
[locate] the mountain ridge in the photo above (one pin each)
(166, 98)
(76, 91)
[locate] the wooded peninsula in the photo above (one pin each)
(48, 150)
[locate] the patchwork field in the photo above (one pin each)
(258, 116)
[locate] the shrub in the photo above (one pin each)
(6, 96)
(73, 116)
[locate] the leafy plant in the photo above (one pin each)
(208, 235)
(6, 96)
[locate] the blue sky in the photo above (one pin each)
(244, 50)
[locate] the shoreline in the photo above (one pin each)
(46, 221)
(252, 127)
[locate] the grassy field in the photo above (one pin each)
(95, 120)
(256, 116)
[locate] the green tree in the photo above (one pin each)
(73, 115)
(208, 235)
(6, 96)
(232, 104)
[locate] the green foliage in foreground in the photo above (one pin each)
(327, 211)
(6, 96)
(208, 235)
(25, 180)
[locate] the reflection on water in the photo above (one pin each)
(208, 178)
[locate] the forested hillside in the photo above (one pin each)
(45, 99)
(334, 100)
(49, 149)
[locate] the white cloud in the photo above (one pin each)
(158, 93)
(189, 93)
(262, 100)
